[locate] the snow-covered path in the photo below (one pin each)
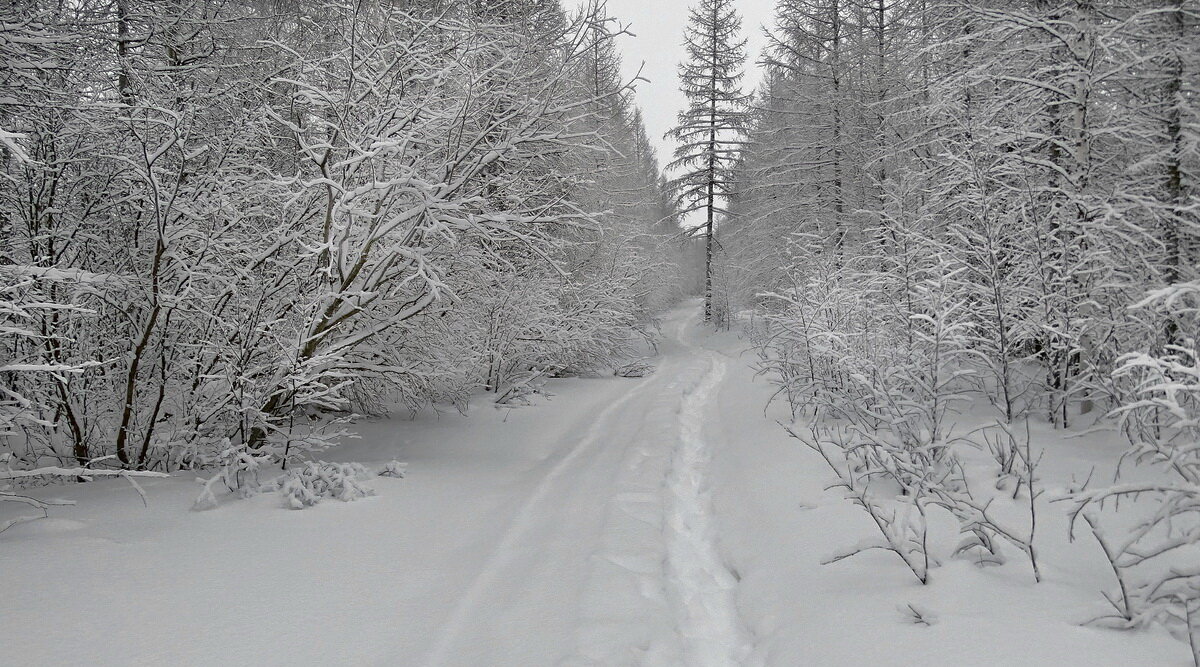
(702, 584)
(656, 521)
(637, 467)
(563, 498)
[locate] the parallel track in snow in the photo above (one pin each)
(506, 553)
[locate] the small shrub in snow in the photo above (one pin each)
(924, 481)
(523, 386)
(635, 369)
(977, 546)
(306, 485)
(902, 525)
(981, 526)
(393, 469)
(238, 469)
(982, 529)
(917, 614)
(1011, 455)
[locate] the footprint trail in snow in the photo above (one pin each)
(701, 586)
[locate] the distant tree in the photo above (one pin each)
(710, 129)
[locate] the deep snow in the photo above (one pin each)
(665, 520)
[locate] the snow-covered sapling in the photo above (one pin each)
(238, 470)
(903, 529)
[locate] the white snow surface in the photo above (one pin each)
(664, 520)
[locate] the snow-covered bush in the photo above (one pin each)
(901, 523)
(522, 386)
(877, 362)
(238, 468)
(305, 485)
(878, 354)
(635, 369)
(1151, 536)
(394, 469)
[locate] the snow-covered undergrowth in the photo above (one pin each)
(784, 521)
(305, 485)
(153, 315)
(243, 474)
(895, 400)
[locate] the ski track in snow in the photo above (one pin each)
(442, 651)
(702, 587)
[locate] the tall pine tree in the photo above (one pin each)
(709, 130)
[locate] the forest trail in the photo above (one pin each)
(707, 608)
(626, 506)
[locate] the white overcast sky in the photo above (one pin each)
(658, 26)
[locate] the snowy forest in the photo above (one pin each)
(907, 326)
(989, 208)
(225, 222)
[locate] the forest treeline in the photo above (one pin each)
(225, 222)
(1026, 170)
(942, 211)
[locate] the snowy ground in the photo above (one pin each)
(661, 521)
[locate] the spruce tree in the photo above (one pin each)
(709, 130)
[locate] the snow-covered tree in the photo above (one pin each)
(709, 131)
